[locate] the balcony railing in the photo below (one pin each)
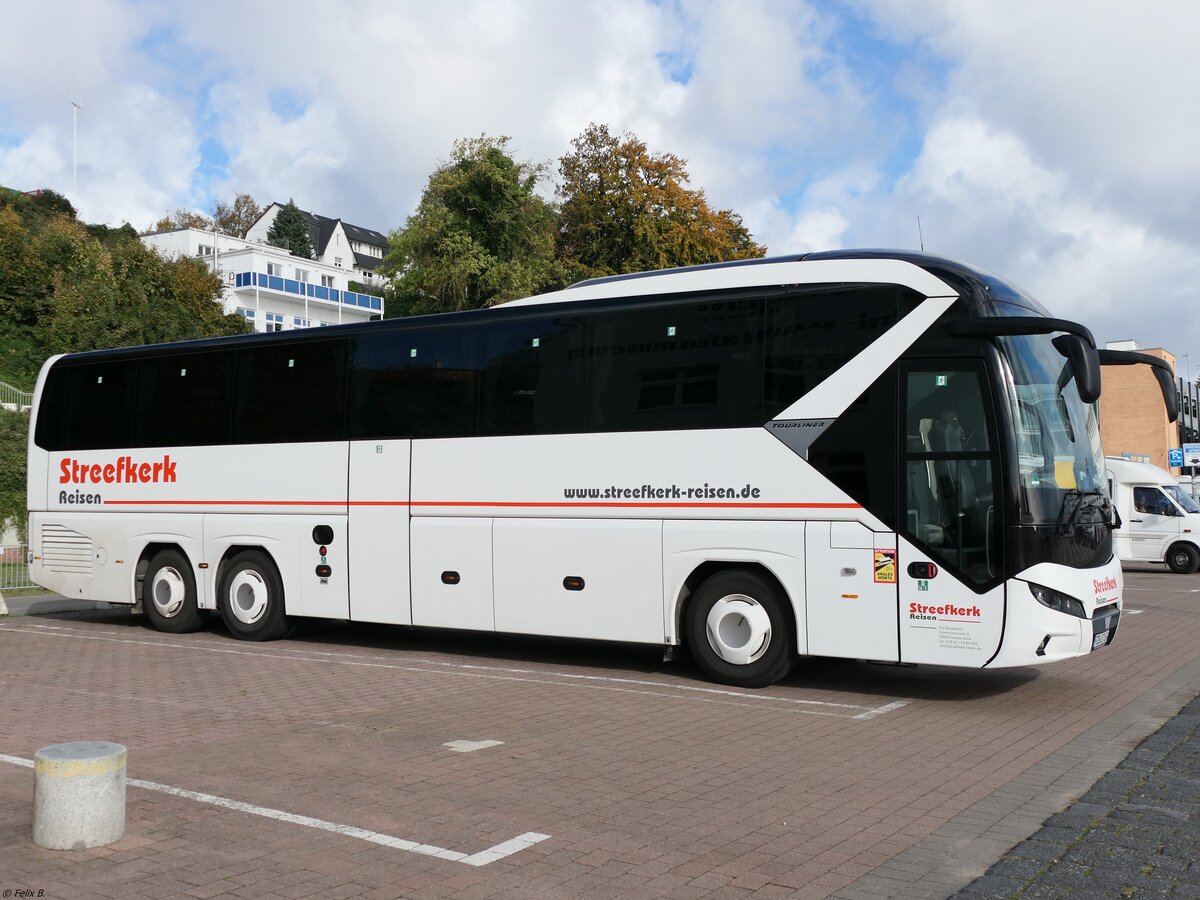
(307, 289)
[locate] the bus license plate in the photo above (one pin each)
(1100, 640)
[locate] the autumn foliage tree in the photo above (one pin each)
(233, 217)
(625, 209)
(480, 235)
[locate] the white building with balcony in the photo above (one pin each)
(274, 290)
(335, 243)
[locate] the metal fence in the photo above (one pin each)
(14, 570)
(12, 398)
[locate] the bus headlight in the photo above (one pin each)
(1057, 601)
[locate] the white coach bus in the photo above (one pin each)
(887, 456)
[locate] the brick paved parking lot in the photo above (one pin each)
(326, 765)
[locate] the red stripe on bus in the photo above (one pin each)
(505, 504)
(559, 504)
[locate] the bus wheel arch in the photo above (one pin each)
(166, 589)
(250, 595)
(1183, 558)
(738, 623)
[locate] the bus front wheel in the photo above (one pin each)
(169, 593)
(251, 598)
(1183, 559)
(737, 629)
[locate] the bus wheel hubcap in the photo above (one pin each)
(248, 597)
(168, 591)
(739, 629)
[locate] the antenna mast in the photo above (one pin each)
(75, 108)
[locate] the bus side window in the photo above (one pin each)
(532, 379)
(101, 396)
(416, 383)
(292, 391)
(676, 365)
(49, 432)
(813, 331)
(183, 400)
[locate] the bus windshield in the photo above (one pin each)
(1058, 435)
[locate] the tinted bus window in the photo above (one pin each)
(48, 434)
(533, 373)
(291, 391)
(100, 398)
(183, 400)
(421, 382)
(694, 365)
(858, 452)
(812, 332)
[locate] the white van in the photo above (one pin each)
(1160, 520)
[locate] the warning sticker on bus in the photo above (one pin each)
(885, 566)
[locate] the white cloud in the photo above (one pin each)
(1050, 142)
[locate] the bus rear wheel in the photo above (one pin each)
(1183, 559)
(169, 593)
(738, 630)
(251, 598)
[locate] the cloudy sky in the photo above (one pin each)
(1055, 142)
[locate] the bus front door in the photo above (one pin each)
(379, 532)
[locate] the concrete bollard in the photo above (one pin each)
(78, 795)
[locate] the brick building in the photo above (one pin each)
(1133, 420)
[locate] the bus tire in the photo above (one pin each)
(251, 598)
(738, 629)
(1183, 559)
(169, 593)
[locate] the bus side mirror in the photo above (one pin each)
(1162, 371)
(1086, 363)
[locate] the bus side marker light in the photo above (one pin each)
(850, 596)
(573, 583)
(324, 571)
(451, 578)
(201, 565)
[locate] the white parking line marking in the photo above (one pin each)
(482, 858)
(469, 746)
(880, 710)
(499, 673)
(1133, 612)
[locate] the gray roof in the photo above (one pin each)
(320, 230)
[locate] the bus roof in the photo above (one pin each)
(930, 275)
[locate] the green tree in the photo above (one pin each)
(480, 236)
(24, 286)
(290, 231)
(14, 430)
(181, 218)
(625, 209)
(236, 217)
